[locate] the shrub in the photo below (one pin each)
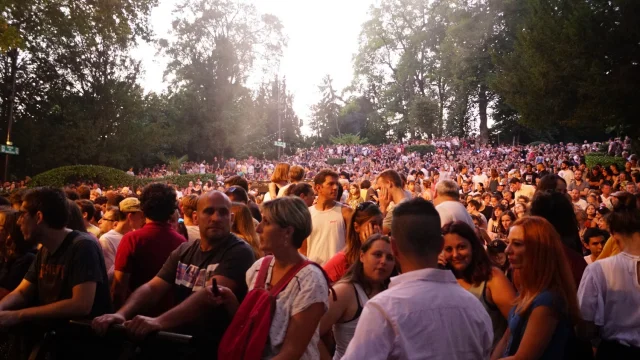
(65, 175)
(336, 161)
(596, 158)
(421, 149)
(107, 177)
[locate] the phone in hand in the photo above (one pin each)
(214, 287)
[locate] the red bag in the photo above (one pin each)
(246, 336)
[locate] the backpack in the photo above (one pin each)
(246, 336)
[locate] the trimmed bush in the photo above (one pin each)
(595, 158)
(336, 161)
(421, 149)
(107, 177)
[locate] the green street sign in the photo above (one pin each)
(11, 150)
(280, 144)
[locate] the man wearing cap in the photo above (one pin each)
(117, 222)
(142, 253)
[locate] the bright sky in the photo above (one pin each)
(323, 37)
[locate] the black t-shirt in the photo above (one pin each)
(79, 259)
(530, 178)
(12, 272)
(189, 269)
(487, 212)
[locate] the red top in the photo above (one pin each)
(337, 266)
(142, 252)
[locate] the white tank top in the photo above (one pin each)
(327, 235)
(343, 332)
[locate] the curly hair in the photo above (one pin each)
(158, 202)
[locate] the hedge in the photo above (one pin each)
(593, 159)
(421, 149)
(336, 161)
(107, 177)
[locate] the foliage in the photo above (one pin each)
(62, 176)
(174, 163)
(336, 161)
(602, 159)
(420, 149)
(107, 177)
(348, 139)
(538, 143)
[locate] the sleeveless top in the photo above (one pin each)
(343, 332)
(327, 235)
(498, 322)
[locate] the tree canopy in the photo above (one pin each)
(551, 70)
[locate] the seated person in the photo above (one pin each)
(217, 254)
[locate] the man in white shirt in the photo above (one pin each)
(448, 204)
(520, 189)
(566, 173)
(118, 223)
(577, 200)
(479, 178)
(424, 314)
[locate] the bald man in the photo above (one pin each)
(217, 254)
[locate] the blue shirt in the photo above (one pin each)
(555, 348)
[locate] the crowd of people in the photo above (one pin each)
(473, 252)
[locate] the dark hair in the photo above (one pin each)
(594, 232)
(100, 200)
(86, 206)
(15, 245)
(239, 181)
(320, 178)
(97, 215)
(625, 222)
(114, 199)
(479, 268)
(474, 203)
(365, 184)
(513, 217)
(416, 228)
(237, 194)
(71, 194)
(363, 212)
(355, 273)
(158, 202)
(51, 202)
(299, 189)
(549, 182)
(493, 213)
(556, 208)
(75, 220)
(84, 192)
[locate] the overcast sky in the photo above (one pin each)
(323, 37)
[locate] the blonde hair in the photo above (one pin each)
(281, 172)
(290, 211)
(244, 228)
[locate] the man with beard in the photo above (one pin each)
(218, 254)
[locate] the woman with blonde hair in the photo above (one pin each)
(545, 312)
(354, 198)
(244, 228)
(279, 179)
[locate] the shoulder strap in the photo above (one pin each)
(262, 273)
(287, 277)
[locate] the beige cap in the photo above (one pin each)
(130, 204)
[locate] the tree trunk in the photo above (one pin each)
(482, 109)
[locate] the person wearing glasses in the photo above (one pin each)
(365, 221)
(112, 232)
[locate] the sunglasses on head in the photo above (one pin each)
(364, 205)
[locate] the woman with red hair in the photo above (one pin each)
(546, 310)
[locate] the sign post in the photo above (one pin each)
(9, 150)
(280, 144)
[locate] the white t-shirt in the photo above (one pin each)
(308, 287)
(327, 235)
(453, 211)
(477, 179)
(193, 231)
(109, 243)
(581, 203)
(609, 297)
